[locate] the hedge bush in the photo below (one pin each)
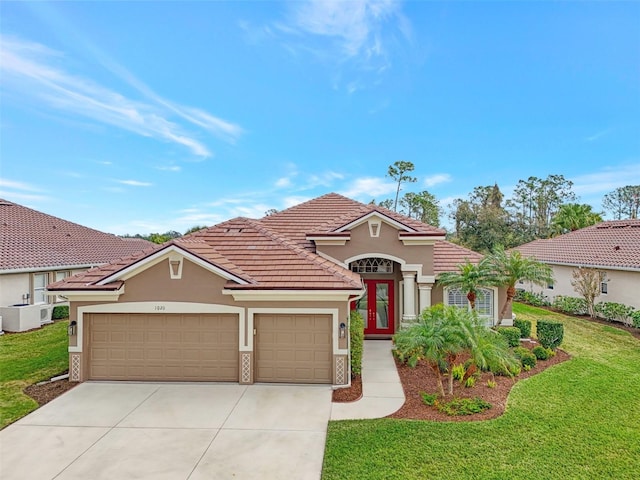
(59, 312)
(356, 333)
(527, 359)
(540, 352)
(550, 333)
(524, 326)
(635, 318)
(614, 312)
(511, 334)
(571, 305)
(534, 299)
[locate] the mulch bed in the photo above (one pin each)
(423, 379)
(350, 394)
(48, 391)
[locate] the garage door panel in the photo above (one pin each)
(293, 348)
(163, 347)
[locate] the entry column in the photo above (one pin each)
(424, 298)
(409, 296)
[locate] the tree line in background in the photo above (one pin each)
(164, 237)
(538, 208)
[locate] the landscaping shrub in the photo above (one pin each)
(464, 406)
(524, 326)
(458, 372)
(511, 334)
(550, 333)
(470, 382)
(429, 398)
(356, 333)
(491, 383)
(635, 318)
(614, 312)
(527, 358)
(534, 299)
(571, 305)
(59, 312)
(540, 352)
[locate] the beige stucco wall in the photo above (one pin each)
(623, 286)
(12, 287)
(198, 286)
(387, 242)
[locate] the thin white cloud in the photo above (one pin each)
(354, 25)
(369, 187)
(607, 179)
(289, 202)
(23, 197)
(134, 183)
(32, 70)
(12, 184)
(357, 34)
(283, 182)
(437, 179)
(598, 135)
(107, 163)
(170, 168)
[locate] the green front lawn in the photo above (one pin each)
(577, 420)
(27, 358)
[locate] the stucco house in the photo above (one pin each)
(37, 249)
(611, 246)
(260, 300)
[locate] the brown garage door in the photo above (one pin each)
(186, 347)
(293, 348)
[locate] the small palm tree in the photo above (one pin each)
(510, 268)
(470, 278)
(442, 334)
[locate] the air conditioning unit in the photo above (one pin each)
(45, 314)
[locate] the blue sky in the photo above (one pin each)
(153, 116)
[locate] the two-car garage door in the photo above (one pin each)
(204, 347)
(186, 347)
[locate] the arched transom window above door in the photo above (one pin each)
(372, 265)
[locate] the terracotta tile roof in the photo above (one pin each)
(612, 244)
(447, 256)
(273, 253)
(30, 240)
(329, 213)
(248, 250)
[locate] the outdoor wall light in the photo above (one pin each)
(71, 330)
(343, 330)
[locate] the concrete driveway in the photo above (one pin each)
(171, 431)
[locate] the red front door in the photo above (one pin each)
(376, 307)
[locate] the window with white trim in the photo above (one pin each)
(484, 301)
(40, 282)
(61, 276)
(372, 265)
(604, 287)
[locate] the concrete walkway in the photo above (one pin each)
(382, 392)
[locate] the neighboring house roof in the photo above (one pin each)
(274, 253)
(32, 240)
(612, 244)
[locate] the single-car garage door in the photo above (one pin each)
(293, 348)
(183, 347)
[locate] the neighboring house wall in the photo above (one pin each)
(14, 287)
(622, 286)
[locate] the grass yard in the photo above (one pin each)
(27, 358)
(577, 420)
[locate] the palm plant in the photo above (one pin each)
(573, 216)
(443, 333)
(469, 278)
(510, 268)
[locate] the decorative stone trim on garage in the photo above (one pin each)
(341, 369)
(246, 372)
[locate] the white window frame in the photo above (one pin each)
(604, 287)
(493, 295)
(39, 292)
(372, 265)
